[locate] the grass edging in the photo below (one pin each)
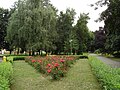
(108, 77)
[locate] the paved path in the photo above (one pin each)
(114, 64)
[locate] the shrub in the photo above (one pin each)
(97, 51)
(18, 58)
(117, 55)
(14, 58)
(108, 77)
(10, 59)
(6, 72)
(83, 57)
(4, 83)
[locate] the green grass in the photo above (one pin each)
(79, 77)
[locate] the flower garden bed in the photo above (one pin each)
(55, 66)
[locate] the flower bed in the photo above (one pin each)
(55, 66)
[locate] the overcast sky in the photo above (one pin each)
(80, 6)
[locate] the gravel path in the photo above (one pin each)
(114, 64)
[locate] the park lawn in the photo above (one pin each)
(79, 77)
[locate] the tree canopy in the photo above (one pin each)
(4, 15)
(36, 25)
(111, 18)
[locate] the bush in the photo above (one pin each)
(117, 55)
(15, 55)
(108, 77)
(6, 72)
(4, 83)
(97, 51)
(18, 58)
(83, 57)
(14, 58)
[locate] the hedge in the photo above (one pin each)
(6, 72)
(14, 58)
(108, 77)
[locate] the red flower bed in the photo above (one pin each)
(55, 66)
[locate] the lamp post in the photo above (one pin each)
(71, 46)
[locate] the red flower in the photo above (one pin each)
(49, 65)
(39, 61)
(53, 62)
(56, 64)
(49, 70)
(33, 61)
(62, 60)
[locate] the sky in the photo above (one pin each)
(80, 6)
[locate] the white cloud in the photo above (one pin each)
(80, 6)
(7, 3)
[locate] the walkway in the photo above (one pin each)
(114, 64)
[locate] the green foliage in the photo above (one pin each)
(82, 32)
(32, 25)
(72, 43)
(64, 29)
(111, 19)
(108, 77)
(19, 58)
(100, 39)
(15, 58)
(97, 51)
(10, 59)
(4, 83)
(4, 15)
(83, 57)
(6, 72)
(35, 25)
(116, 54)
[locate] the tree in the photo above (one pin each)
(71, 44)
(15, 26)
(64, 28)
(31, 25)
(111, 17)
(91, 42)
(4, 16)
(82, 32)
(100, 39)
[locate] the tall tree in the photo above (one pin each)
(100, 39)
(31, 25)
(111, 17)
(64, 28)
(82, 32)
(4, 16)
(72, 43)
